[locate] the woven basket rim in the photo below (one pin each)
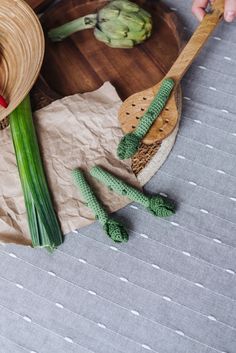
(27, 35)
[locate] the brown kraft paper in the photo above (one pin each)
(77, 131)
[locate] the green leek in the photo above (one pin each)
(43, 223)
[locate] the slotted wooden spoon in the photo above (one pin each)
(134, 106)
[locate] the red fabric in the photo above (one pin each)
(3, 102)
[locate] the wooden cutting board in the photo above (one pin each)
(38, 5)
(81, 63)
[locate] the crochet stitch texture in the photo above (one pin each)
(113, 229)
(157, 205)
(129, 143)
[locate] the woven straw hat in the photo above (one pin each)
(21, 52)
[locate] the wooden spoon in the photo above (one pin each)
(134, 106)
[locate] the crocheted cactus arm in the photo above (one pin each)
(129, 143)
(157, 205)
(113, 229)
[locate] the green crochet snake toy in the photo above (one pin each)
(129, 144)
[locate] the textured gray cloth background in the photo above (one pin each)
(172, 288)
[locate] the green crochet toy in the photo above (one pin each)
(113, 229)
(129, 144)
(157, 205)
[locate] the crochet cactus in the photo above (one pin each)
(157, 205)
(112, 228)
(129, 144)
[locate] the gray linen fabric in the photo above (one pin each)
(172, 288)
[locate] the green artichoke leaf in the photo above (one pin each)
(133, 21)
(145, 14)
(139, 36)
(113, 29)
(108, 13)
(125, 5)
(99, 35)
(121, 43)
(148, 29)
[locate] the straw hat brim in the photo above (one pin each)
(21, 52)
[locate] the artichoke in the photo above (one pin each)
(119, 24)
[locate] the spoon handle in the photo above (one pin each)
(197, 41)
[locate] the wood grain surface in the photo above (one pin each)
(38, 5)
(81, 63)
